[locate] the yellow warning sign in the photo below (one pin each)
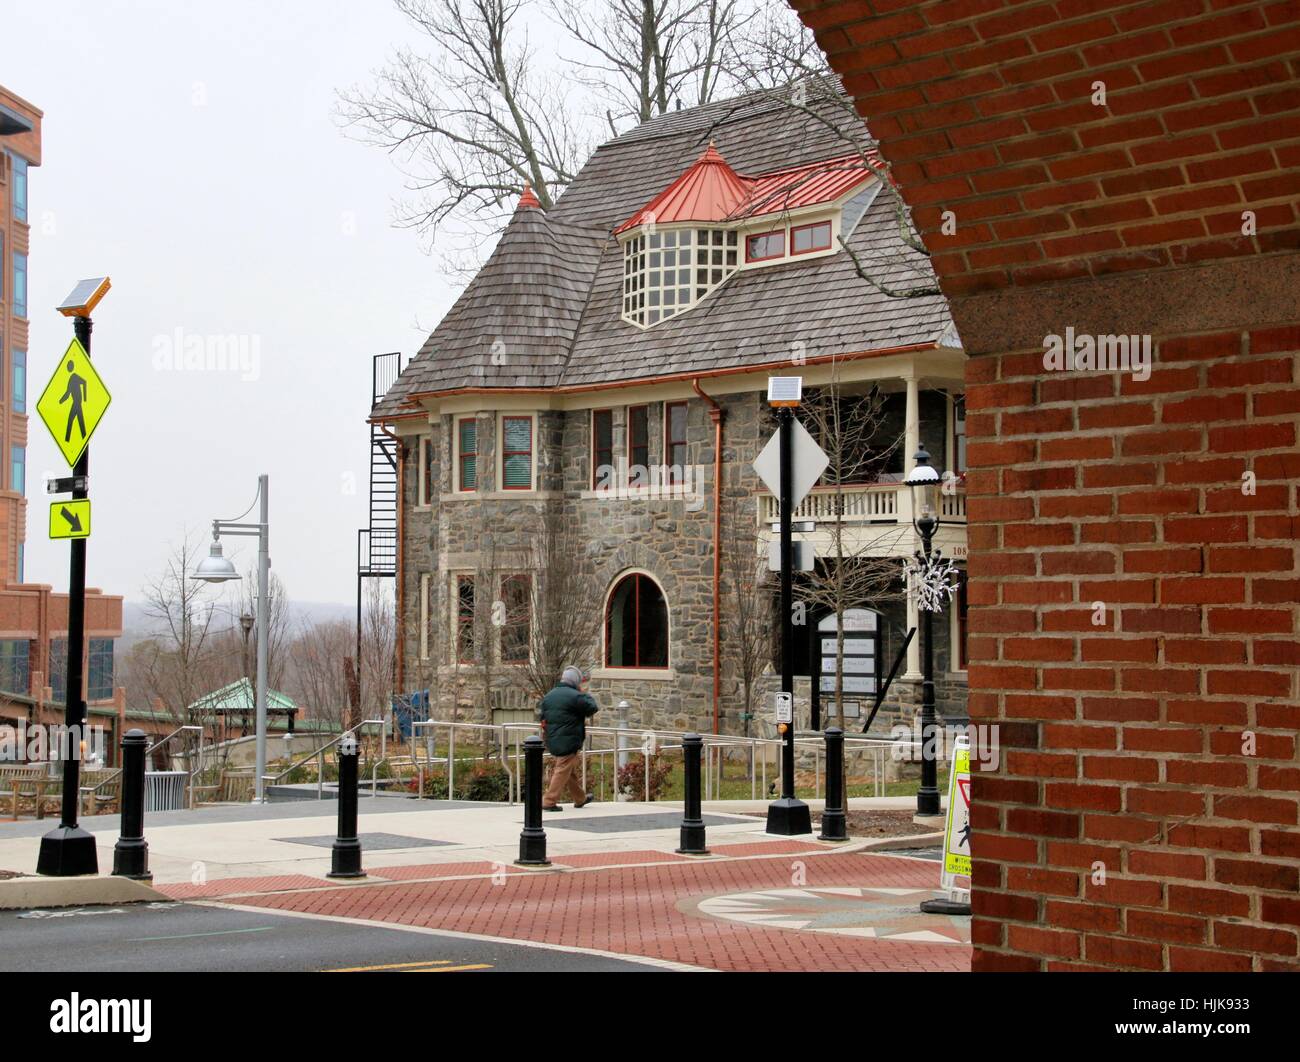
(956, 840)
(70, 519)
(73, 402)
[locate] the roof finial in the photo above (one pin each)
(528, 200)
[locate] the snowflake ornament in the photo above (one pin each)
(933, 581)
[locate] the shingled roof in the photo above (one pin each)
(544, 311)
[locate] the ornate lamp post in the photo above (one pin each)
(924, 480)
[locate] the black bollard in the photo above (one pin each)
(692, 821)
(833, 819)
(532, 841)
(346, 860)
(131, 853)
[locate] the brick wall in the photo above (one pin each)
(1127, 743)
(1133, 631)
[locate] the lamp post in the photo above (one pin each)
(924, 479)
(215, 568)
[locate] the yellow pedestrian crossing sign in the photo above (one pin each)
(73, 402)
(70, 519)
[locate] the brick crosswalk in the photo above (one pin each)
(652, 909)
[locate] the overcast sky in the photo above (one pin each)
(190, 153)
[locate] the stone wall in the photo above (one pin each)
(669, 538)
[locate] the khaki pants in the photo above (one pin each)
(564, 775)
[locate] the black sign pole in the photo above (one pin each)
(69, 850)
(787, 816)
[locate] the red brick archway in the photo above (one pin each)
(1159, 744)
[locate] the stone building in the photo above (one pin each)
(603, 377)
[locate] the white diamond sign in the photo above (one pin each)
(809, 463)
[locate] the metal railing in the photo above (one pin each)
(319, 756)
(87, 792)
(504, 741)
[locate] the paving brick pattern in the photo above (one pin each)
(649, 911)
(235, 886)
(616, 859)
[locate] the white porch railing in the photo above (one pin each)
(872, 503)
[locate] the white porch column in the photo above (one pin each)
(911, 443)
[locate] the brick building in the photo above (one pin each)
(33, 618)
(1118, 169)
(607, 368)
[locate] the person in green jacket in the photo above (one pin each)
(565, 711)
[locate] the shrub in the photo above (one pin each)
(485, 780)
(632, 780)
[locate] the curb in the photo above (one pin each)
(917, 840)
(91, 890)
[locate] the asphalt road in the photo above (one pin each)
(174, 937)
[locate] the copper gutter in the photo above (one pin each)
(716, 415)
(650, 381)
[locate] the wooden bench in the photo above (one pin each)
(101, 792)
(234, 788)
(42, 793)
(14, 779)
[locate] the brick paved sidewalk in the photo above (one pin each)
(804, 910)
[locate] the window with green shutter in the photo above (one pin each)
(517, 453)
(468, 429)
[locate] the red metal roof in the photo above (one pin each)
(528, 199)
(710, 190)
(801, 186)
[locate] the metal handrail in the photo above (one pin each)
(152, 748)
(318, 755)
(875, 748)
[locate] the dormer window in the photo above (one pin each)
(814, 237)
(765, 245)
(667, 271)
(668, 267)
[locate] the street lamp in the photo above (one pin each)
(924, 479)
(216, 568)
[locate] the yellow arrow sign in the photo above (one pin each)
(70, 519)
(73, 402)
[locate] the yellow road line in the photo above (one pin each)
(427, 966)
(391, 966)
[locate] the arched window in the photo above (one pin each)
(636, 624)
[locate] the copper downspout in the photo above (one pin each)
(398, 669)
(715, 413)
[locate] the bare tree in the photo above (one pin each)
(851, 429)
(177, 666)
(641, 57)
(279, 626)
(378, 649)
(316, 680)
(748, 627)
(473, 122)
(566, 603)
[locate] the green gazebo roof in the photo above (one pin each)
(238, 698)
